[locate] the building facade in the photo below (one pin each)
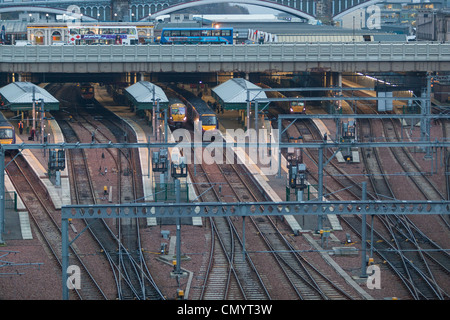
(58, 33)
(433, 25)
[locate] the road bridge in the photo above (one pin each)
(266, 58)
(113, 10)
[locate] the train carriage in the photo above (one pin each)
(7, 131)
(177, 112)
(293, 107)
(87, 93)
(198, 110)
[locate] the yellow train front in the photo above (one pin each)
(7, 131)
(198, 110)
(297, 107)
(209, 121)
(177, 112)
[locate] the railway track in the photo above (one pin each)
(43, 214)
(411, 245)
(135, 280)
(233, 183)
(418, 276)
(242, 279)
(130, 272)
(307, 280)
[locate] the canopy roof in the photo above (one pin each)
(233, 94)
(144, 94)
(20, 96)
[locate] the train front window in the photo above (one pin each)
(178, 111)
(209, 120)
(6, 134)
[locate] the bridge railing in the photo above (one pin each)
(340, 52)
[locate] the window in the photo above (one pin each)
(209, 120)
(56, 36)
(6, 134)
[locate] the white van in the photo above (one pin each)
(23, 43)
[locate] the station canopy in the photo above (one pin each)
(233, 94)
(143, 95)
(19, 96)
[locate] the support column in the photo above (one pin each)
(243, 238)
(320, 188)
(364, 235)
(178, 200)
(425, 122)
(279, 151)
(65, 256)
(2, 195)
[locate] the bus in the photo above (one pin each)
(196, 35)
(109, 35)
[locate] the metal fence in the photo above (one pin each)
(165, 192)
(11, 200)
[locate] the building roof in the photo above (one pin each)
(14, 26)
(314, 38)
(20, 95)
(234, 92)
(143, 94)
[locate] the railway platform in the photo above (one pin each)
(17, 222)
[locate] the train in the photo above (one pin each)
(292, 107)
(7, 131)
(86, 92)
(198, 110)
(177, 112)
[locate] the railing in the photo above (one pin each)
(273, 52)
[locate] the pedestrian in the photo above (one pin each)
(33, 131)
(20, 127)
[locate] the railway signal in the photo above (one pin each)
(56, 160)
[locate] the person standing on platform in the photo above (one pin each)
(20, 127)
(33, 131)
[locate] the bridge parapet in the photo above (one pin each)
(419, 56)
